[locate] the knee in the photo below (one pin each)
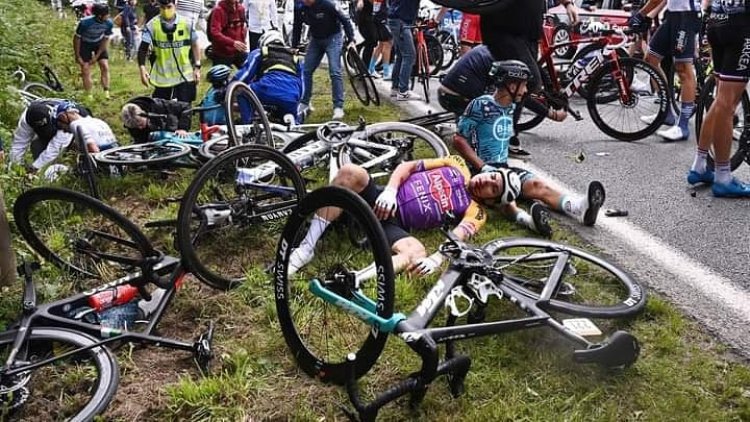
(533, 188)
(352, 176)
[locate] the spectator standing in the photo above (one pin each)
(150, 10)
(401, 17)
(384, 37)
(173, 74)
(128, 27)
(90, 44)
(191, 11)
(325, 20)
(366, 27)
(262, 16)
(228, 33)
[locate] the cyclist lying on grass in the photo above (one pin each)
(421, 194)
(484, 132)
(96, 133)
(143, 115)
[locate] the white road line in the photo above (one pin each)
(686, 270)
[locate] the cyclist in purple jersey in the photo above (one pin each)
(422, 194)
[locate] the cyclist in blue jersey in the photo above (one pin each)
(275, 74)
(729, 36)
(90, 44)
(484, 132)
(419, 195)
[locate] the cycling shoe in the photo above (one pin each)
(707, 177)
(595, 200)
(733, 189)
(540, 216)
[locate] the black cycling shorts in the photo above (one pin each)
(392, 226)
(88, 50)
(513, 47)
(454, 103)
(676, 36)
(382, 33)
(730, 47)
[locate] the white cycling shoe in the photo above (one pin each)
(674, 133)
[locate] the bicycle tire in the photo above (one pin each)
(213, 147)
(260, 132)
(193, 226)
(630, 65)
(741, 123)
(286, 296)
(43, 339)
(630, 300)
(432, 140)
(450, 49)
(86, 166)
(560, 34)
(74, 263)
(40, 90)
(356, 71)
(150, 153)
(372, 91)
(536, 119)
(434, 53)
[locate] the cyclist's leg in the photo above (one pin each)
(684, 55)
(104, 70)
(87, 52)
(583, 208)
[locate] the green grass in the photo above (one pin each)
(681, 375)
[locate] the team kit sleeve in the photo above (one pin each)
(454, 161)
(474, 219)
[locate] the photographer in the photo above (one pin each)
(143, 115)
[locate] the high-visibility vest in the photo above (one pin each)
(172, 65)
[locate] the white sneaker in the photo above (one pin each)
(375, 75)
(338, 113)
(407, 96)
(674, 133)
(669, 121)
(394, 92)
(298, 259)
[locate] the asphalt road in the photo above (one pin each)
(695, 250)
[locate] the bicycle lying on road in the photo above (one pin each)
(336, 313)
(55, 359)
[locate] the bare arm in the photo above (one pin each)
(650, 5)
(466, 151)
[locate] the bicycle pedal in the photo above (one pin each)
(203, 349)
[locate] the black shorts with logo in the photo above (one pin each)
(382, 33)
(729, 36)
(676, 36)
(392, 226)
(89, 49)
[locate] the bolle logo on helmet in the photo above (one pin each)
(511, 186)
(516, 74)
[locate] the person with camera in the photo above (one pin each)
(143, 115)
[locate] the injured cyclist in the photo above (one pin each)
(423, 194)
(484, 132)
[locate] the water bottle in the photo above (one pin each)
(114, 296)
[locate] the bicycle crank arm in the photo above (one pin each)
(576, 115)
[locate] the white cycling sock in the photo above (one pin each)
(317, 227)
(573, 206)
(723, 173)
(523, 218)
(699, 163)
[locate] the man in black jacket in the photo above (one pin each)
(143, 115)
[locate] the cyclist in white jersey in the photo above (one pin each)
(676, 38)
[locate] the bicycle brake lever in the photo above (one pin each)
(450, 301)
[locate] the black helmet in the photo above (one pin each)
(100, 9)
(505, 71)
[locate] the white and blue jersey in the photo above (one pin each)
(92, 30)
(488, 126)
(730, 7)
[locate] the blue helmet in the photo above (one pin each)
(65, 106)
(219, 74)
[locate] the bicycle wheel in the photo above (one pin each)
(356, 71)
(610, 86)
(80, 234)
(740, 123)
(247, 121)
(233, 212)
(40, 90)
(589, 286)
(561, 34)
(529, 119)
(424, 72)
(372, 91)
(450, 49)
(434, 53)
(76, 388)
(214, 147)
(620, 117)
(150, 153)
(318, 334)
(389, 144)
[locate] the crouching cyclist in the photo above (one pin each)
(218, 76)
(274, 73)
(96, 133)
(419, 195)
(484, 132)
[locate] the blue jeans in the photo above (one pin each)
(331, 47)
(403, 44)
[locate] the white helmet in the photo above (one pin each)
(271, 37)
(511, 185)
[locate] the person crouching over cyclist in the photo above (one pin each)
(274, 73)
(143, 115)
(218, 76)
(96, 133)
(420, 194)
(484, 132)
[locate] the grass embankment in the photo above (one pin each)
(681, 375)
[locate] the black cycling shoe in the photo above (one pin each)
(595, 199)
(540, 215)
(514, 148)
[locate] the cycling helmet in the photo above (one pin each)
(505, 71)
(64, 107)
(100, 9)
(511, 185)
(219, 74)
(271, 37)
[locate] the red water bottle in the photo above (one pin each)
(112, 297)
